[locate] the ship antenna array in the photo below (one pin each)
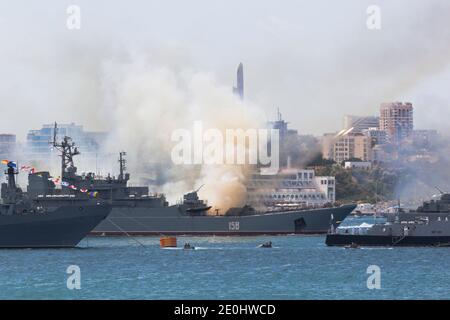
(67, 149)
(122, 163)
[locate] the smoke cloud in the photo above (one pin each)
(145, 102)
(144, 69)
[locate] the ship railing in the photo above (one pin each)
(353, 230)
(155, 195)
(56, 196)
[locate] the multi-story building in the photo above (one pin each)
(291, 187)
(327, 141)
(376, 135)
(39, 148)
(396, 118)
(7, 145)
(287, 139)
(347, 145)
(364, 165)
(425, 138)
(360, 123)
(380, 154)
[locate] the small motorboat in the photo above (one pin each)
(353, 245)
(266, 245)
(187, 246)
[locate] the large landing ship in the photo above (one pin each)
(144, 216)
(137, 212)
(45, 221)
(145, 219)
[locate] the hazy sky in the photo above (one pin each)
(315, 60)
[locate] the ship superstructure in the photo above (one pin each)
(135, 211)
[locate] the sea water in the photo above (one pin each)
(297, 267)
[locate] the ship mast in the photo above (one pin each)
(12, 191)
(122, 163)
(68, 151)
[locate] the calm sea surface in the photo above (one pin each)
(298, 267)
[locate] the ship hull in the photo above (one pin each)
(374, 240)
(171, 221)
(63, 227)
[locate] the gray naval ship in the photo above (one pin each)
(136, 212)
(429, 225)
(156, 217)
(37, 221)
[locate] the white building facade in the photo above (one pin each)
(294, 188)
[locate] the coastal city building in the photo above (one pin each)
(7, 145)
(390, 137)
(424, 138)
(287, 137)
(39, 147)
(396, 118)
(379, 154)
(347, 145)
(376, 135)
(365, 165)
(360, 123)
(291, 187)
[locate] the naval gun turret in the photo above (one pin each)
(195, 205)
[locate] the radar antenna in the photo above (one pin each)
(68, 150)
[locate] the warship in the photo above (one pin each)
(428, 225)
(38, 221)
(136, 212)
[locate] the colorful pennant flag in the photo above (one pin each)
(93, 193)
(55, 180)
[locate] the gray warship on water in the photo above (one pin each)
(428, 225)
(32, 220)
(136, 212)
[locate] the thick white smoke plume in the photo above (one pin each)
(145, 102)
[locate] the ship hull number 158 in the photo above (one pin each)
(233, 226)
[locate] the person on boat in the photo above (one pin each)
(188, 246)
(267, 245)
